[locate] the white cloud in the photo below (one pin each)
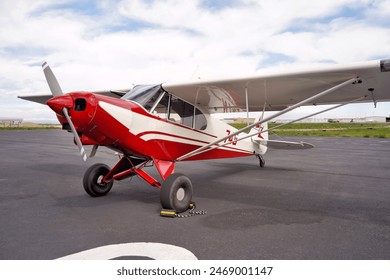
(111, 44)
(346, 42)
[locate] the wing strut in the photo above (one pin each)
(288, 109)
(293, 121)
(283, 124)
(247, 105)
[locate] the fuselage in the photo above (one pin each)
(126, 126)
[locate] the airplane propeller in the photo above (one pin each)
(56, 91)
(76, 135)
(51, 80)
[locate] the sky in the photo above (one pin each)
(99, 45)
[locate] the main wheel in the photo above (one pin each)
(176, 193)
(92, 180)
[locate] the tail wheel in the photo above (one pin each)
(261, 160)
(176, 193)
(92, 181)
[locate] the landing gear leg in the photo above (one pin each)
(261, 160)
(175, 191)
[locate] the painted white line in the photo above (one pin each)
(157, 251)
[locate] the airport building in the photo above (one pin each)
(10, 122)
(371, 119)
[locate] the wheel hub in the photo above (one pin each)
(180, 194)
(100, 180)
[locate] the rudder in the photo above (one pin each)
(260, 138)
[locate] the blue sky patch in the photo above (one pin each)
(311, 24)
(81, 7)
(274, 59)
(127, 25)
(23, 51)
(216, 5)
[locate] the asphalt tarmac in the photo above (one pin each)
(330, 202)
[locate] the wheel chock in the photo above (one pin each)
(173, 214)
(168, 213)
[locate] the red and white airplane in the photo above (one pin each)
(171, 122)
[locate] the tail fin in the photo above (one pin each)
(260, 139)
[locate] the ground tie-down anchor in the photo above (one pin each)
(191, 212)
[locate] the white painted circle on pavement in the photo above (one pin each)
(157, 251)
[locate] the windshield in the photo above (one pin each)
(145, 95)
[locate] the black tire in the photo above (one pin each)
(92, 180)
(262, 163)
(261, 160)
(176, 193)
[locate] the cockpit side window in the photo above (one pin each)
(162, 107)
(200, 121)
(155, 100)
(174, 109)
(184, 110)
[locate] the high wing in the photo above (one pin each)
(42, 99)
(278, 91)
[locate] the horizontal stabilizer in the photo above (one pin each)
(42, 99)
(286, 145)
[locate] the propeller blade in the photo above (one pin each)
(76, 136)
(51, 80)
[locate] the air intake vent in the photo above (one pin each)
(80, 104)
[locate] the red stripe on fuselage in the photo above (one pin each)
(186, 138)
(171, 135)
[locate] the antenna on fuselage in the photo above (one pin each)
(193, 74)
